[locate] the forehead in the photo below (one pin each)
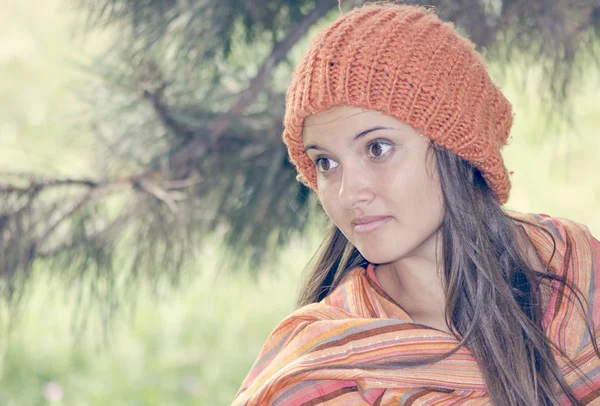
(346, 120)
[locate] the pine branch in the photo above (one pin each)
(34, 187)
(96, 190)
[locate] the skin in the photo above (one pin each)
(370, 164)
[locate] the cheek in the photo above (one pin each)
(427, 200)
(336, 213)
(415, 192)
(328, 198)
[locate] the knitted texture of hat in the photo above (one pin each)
(403, 62)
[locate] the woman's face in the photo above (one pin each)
(376, 182)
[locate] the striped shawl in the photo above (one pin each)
(313, 356)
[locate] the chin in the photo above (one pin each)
(377, 255)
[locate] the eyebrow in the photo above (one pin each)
(356, 137)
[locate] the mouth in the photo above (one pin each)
(367, 224)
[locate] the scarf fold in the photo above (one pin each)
(315, 355)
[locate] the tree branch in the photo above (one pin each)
(151, 86)
(97, 190)
(38, 186)
(76, 204)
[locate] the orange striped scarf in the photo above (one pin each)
(313, 356)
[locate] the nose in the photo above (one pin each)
(355, 188)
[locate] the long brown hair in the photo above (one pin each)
(493, 292)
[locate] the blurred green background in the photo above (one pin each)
(194, 343)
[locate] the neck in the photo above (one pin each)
(416, 283)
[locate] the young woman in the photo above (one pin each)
(426, 291)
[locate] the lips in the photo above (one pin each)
(369, 223)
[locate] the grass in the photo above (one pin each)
(193, 345)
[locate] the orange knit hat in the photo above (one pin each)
(403, 62)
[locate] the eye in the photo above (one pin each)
(325, 164)
(378, 148)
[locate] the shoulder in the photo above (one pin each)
(295, 339)
(567, 249)
(566, 246)
(573, 254)
(290, 339)
(293, 325)
(559, 241)
(557, 226)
